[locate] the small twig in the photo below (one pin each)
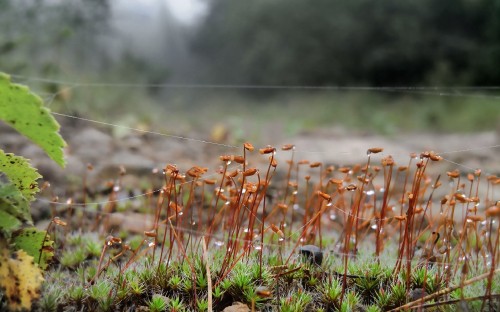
(444, 291)
(209, 277)
(436, 304)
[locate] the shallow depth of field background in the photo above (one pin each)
(261, 71)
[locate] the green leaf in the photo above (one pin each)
(8, 223)
(25, 112)
(14, 208)
(19, 171)
(31, 240)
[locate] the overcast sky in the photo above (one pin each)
(154, 29)
(186, 11)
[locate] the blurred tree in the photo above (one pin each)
(49, 36)
(386, 42)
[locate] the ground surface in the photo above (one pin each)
(141, 152)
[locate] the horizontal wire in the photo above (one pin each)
(224, 145)
(254, 86)
(257, 243)
(422, 90)
(52, 97)
(145, 131)
(297, 150)
(221, 238)
(459, 164)
(469, 149)
(412, 89)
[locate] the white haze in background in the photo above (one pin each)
(187, 11)
(155, 30)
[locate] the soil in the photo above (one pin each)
(141, 154)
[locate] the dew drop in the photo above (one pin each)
(374, 227)
(219, 243)
(333, 217)
(295, 206)
(281, 239)
(295, 192)
(370, 192)
(228, 162)
(329, 204)
(258, 247)
(116, 188)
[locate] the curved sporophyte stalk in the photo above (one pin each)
(251, 231)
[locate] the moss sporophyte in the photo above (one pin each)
(265, 232)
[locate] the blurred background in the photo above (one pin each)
(265, 71)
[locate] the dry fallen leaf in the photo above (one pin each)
(20, 279)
